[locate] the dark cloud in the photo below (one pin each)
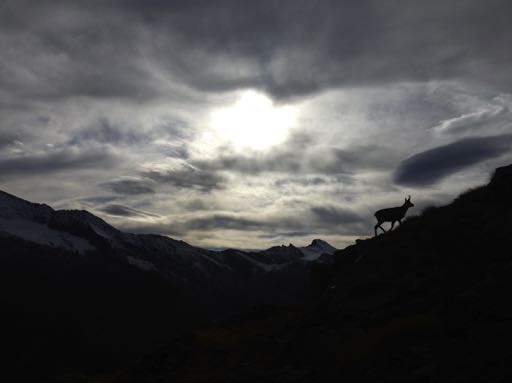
(104, 131)
(356, 42)
(188, 177)
(125, 211)
(130, 186)
(95, 200)
(335, 215)
(198, 205)
(286, 48)
(432, 165)
(61, 49)
(56, 161)
(298, 159)
(180, 152)
(6, 139)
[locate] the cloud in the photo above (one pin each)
(473, 121)
(312, 219)
(199, 205)
(223, 221)
(335, 214)
(125, 211)
(103, 131)
(303, 181)
(285, 234)
(188, 177)
(278, 48)
(70, 50)
(430, 166)
(56, 161)
(95, 200)
(130, 186)
(297, 158)
(170, 136)
(128, 49)
(6, 139)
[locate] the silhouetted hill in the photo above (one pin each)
(428, 302)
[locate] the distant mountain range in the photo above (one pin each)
(82, 233)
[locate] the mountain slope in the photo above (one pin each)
(428, 302)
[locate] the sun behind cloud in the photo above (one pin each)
(253, 122)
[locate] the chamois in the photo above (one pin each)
(392, 214)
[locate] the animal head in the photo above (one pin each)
(408, 202)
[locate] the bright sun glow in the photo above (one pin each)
(253, 122)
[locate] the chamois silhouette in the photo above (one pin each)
(392, 214)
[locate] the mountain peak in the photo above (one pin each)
(318, 242)
(316, 248)
(14, 207)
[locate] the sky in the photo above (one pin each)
(248, 124)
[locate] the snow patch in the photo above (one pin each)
(42, 234)
(100, 232)
(316, 249)
(141, 263)
(262, 265)
(211, 259)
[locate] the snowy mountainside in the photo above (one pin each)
(13, 207)
(42, 234)
(79, 231)
(30, 221)
(317, 248)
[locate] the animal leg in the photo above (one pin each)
(392, 225)
(378, 225)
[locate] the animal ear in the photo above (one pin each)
(409, 199)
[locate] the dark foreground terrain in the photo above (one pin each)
(428, 302)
